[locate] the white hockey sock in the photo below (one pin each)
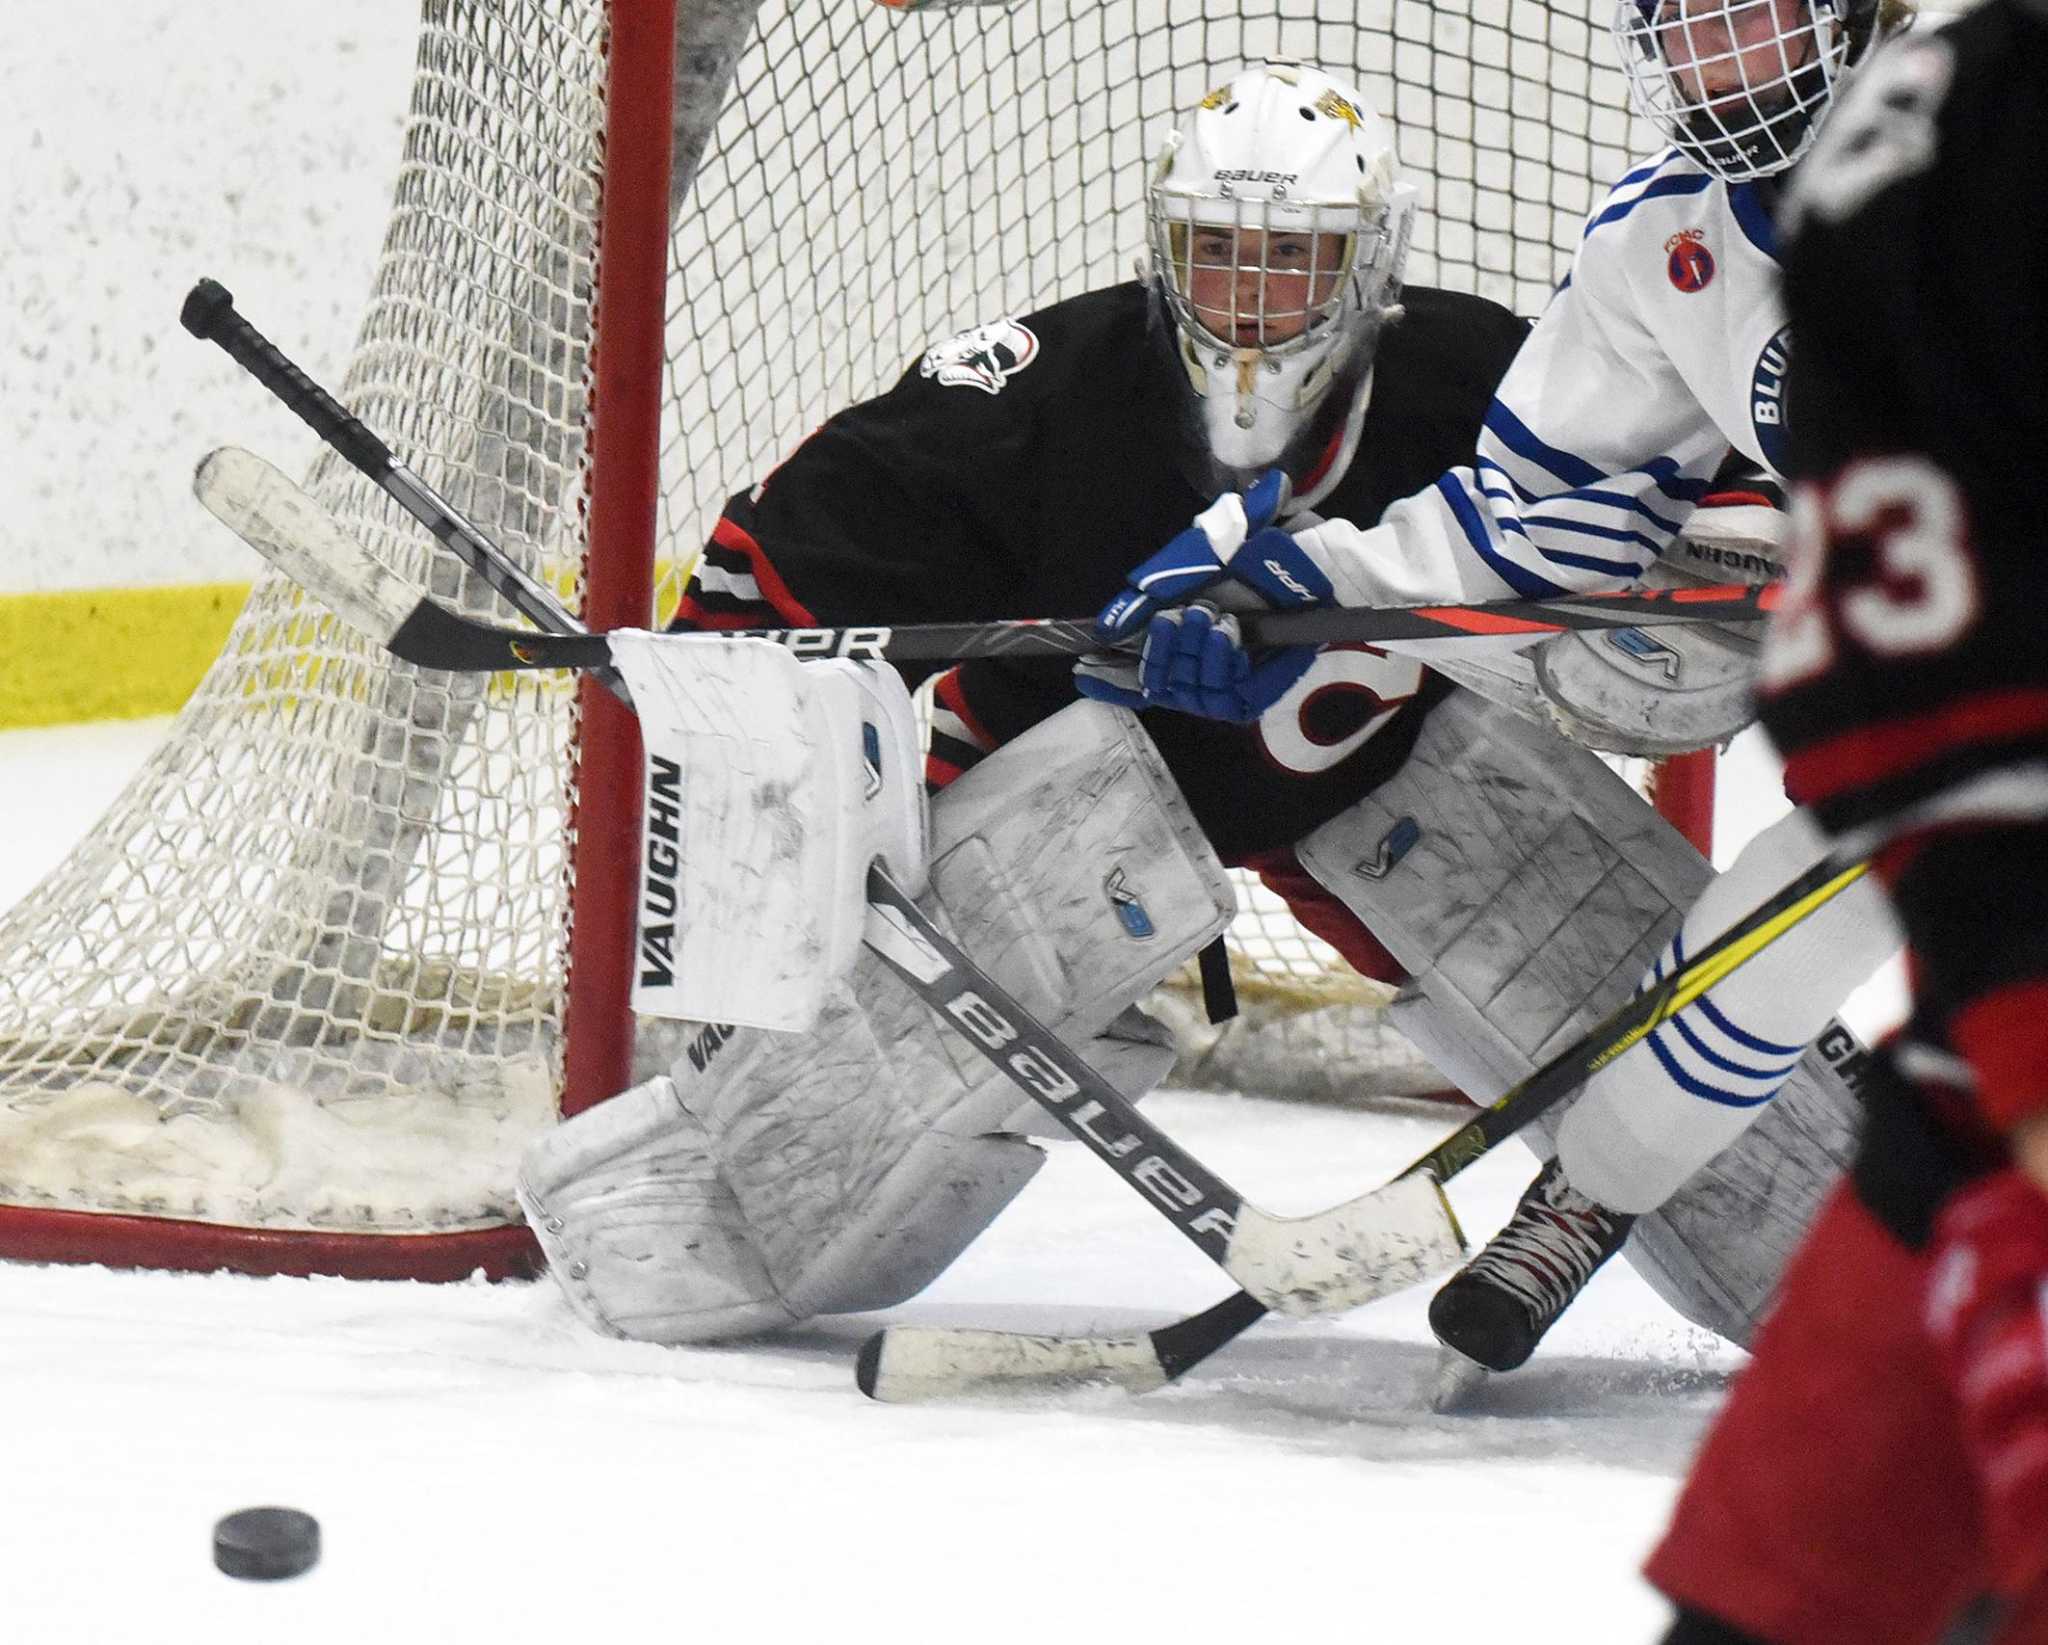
(1652, 1118)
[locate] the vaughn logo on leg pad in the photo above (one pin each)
(659, 901)
(1651, 652)
(708, 1042)
(871, 758)
(1394, 844)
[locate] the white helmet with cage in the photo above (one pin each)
(1740, 85)
(1277, 225)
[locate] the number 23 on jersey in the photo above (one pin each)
(1918, 592)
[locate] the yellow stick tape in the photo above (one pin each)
(109, 653)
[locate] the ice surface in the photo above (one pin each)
(484, 1468)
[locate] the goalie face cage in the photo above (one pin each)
(299, 999)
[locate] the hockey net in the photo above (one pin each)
(354, 932)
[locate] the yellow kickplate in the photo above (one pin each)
(109, 653)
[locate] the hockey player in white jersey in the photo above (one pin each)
(1662, 355)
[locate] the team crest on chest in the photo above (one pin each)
(1688, 262)
(985, 358)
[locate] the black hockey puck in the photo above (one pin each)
(266, 1544)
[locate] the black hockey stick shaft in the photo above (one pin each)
(209, 313)
(1185, 1343)
(436, 637)
(291, 529)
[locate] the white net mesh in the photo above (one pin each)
(308, 973)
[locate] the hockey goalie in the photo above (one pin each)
(1443, 821)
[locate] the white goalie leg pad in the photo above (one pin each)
(1526, 888)
(1502, 674)
(1068, 865)
(629, 1188)
(861, 1158)
(771, 784)
(1650, 1117)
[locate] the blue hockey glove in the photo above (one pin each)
(1194, 559)
(1194, 659)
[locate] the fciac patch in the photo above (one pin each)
(1688, 261)
(985, 358)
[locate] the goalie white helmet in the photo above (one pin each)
(1277, 226)
(1740, 85)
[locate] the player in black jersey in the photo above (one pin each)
(1882, 1467)
(1019, 469)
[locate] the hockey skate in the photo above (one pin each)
(1493, 1312)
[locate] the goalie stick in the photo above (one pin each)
(912, 1362)
(1350, 1254)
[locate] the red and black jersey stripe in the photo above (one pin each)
(959, 741)
(735, 585)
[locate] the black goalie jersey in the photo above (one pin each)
(1021, 469)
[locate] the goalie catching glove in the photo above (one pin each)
(1653, 692)
(1194, 658)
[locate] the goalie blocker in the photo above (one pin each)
(770, 1177)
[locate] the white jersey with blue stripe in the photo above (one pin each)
(1665, 346)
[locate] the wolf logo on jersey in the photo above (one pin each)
(984, 357)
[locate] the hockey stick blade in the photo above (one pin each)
(908, 1363)
(294, 533)
(276, 517)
